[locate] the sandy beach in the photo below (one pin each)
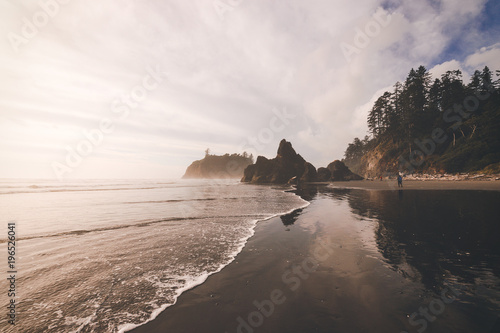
(324, 268)
(391, 184)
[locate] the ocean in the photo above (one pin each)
(107, 256)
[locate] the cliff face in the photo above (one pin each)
(213, 166)
(385, 158)
(377, 161)
(287, 165)
(432, 126)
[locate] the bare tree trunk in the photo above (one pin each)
(473, 131)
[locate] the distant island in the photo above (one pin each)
(432, 127)
(214, 166)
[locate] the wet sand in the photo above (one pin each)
(319, 269)
(391, 184)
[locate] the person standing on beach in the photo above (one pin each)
(400, 181)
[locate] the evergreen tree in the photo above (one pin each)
(414, 103)
(452, 89)
(486, 79)
(378, 118)
(395, 125)
(475, 82)
(435, 100)
(467, 116)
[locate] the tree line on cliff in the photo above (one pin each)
(426, 125)
(223, 166)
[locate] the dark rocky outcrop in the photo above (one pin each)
(310, 174)
(289, 167)
(280, 170)
(214, 166)
(340, 172)
(324, 175)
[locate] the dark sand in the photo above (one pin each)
(421, 185)
(323, 271)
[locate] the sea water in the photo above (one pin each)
(106, 256)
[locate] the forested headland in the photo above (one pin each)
(215, 166)
(432, 125)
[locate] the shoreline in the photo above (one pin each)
(317, 268)
(219, 296)
(410, 184)
(158, 312)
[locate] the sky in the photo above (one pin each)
(140, 89)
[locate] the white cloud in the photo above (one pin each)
(224, 77)
(486, 56)
(446, 66)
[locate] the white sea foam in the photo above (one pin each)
(191, 282)
(88, 253)
(196, 281)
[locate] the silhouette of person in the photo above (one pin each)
(400, 181)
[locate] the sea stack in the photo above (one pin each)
(340, 172)
(286, 166)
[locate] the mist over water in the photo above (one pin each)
(105, 256)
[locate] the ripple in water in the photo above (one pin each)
(105, 259)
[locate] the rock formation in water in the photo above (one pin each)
(324, 174)
(213, 166)
(310, 174)
(286, 166)
(340, 172)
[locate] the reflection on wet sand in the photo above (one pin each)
(357, 261)
(439, 239)
(439, 233)
(290, 218)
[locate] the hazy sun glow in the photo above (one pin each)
(166, 80)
